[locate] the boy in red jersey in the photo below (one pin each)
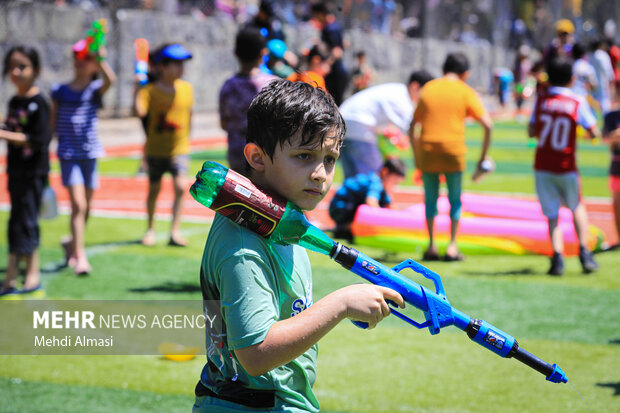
(554, 123)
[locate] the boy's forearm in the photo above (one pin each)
(290, 338)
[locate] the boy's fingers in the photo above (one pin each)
(385, 309)
(392, 295)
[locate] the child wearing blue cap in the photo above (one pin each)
(165, 106)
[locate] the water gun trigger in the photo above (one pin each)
(393, 305)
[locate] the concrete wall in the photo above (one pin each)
(53, 30)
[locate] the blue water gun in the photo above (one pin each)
(437, 309)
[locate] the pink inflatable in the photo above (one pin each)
(489, 224)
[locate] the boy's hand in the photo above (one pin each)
(102, 54)
(367, 303)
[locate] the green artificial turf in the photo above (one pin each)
(570, 320)
(17, 396)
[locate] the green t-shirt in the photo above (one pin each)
(258, 284)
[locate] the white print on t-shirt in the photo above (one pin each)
(302, 303)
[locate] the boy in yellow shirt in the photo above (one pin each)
(440, 147)
(165, 106)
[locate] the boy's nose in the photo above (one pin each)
(319, 173)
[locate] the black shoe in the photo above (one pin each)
(557, 264)
(587, 261)
(344, 234)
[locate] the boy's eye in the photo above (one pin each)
(330, 160)
(20, 67)
(304, 156)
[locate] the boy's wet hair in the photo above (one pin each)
(456, 63)
(395, 166)
(249, 45)
(560, 71)
(283, 108)
(30, 52)
(421, 77)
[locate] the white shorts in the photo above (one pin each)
(555, 190)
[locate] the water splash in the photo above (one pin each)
(584, 400)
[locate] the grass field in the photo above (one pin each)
(571, 320)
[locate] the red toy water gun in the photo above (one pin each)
(94, 40)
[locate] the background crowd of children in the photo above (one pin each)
(165, 106)
(286, 137)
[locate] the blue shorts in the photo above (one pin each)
(555, 189)
(79, 172)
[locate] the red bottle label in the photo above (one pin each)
(242, 202)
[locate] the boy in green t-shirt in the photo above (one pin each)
(262, 356)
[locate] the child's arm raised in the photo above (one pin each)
(109, 77)
(288, 339)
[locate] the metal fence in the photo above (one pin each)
(407, 35)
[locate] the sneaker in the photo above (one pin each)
(587, 261)
(557, 264)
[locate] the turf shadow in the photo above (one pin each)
(519, 272)
(49, 268)
(53, 267)
(614, 386)
(169, 287)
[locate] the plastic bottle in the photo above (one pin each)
(233, 195)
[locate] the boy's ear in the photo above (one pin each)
(255, 156)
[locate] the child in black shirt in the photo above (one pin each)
(27, 132)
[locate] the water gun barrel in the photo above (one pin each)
(553, 373)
